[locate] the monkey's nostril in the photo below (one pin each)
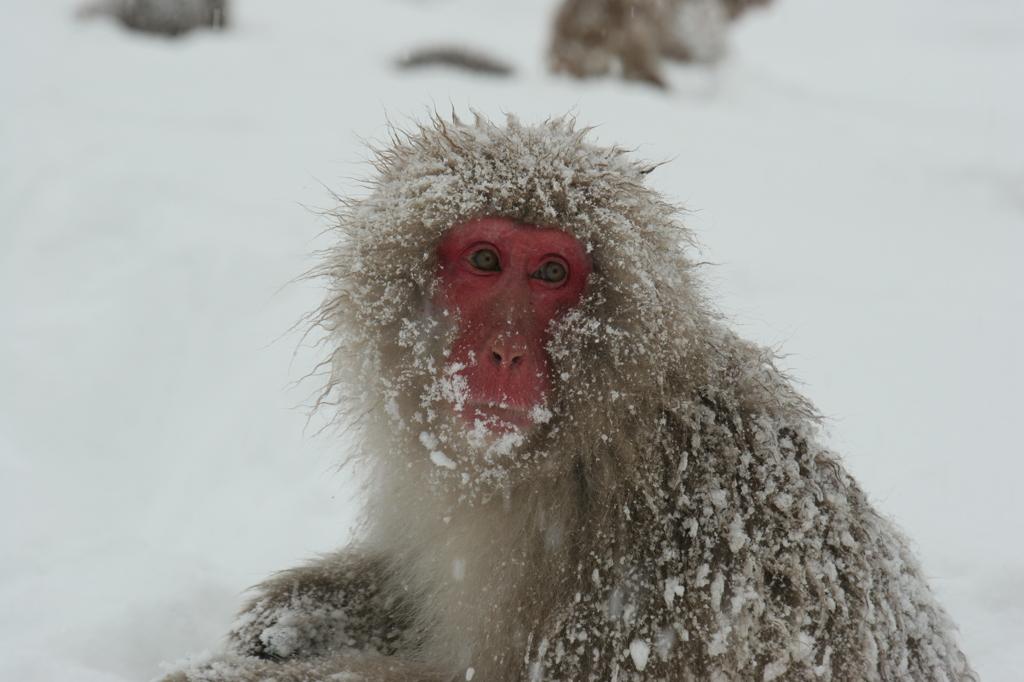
(507, 359)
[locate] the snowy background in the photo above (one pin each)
(855, 167)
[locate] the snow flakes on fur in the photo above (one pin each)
(702, 532)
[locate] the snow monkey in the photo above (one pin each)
(169, 17)
(576, 471)
(629, 37)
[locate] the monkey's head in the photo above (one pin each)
(506, 293)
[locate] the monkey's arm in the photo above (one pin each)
(338, 602)
(352, 666)
(336, 616)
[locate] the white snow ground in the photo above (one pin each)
(856, 168)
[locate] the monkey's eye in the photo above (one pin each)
(552, 271)
(484, 259)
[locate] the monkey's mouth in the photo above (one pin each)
(500, 418)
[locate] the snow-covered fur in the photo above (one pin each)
(673, 518)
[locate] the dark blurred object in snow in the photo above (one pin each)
(459, 57)
(169, 17)
(629, 37)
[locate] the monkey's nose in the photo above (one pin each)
(508, 350)
(505, 357)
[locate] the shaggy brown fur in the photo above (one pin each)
(675, 519)
(629, 37)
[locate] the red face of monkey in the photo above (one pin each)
(506, 282)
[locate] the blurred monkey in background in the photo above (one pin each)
(168, 17)
(630, 37)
